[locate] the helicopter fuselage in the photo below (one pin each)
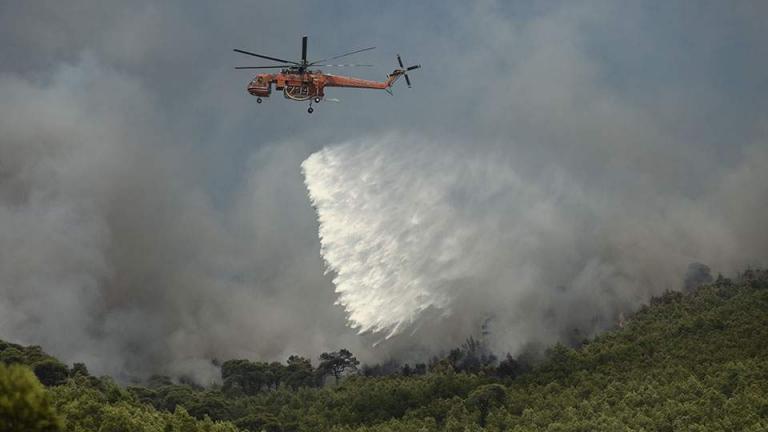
(299, 82)
(303, 86)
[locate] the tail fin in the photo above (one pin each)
(394, 76)
(397, 73)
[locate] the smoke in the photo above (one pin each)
(427, 237)
(112, 253)
(553, 166)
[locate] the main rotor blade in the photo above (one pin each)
(413, 67)
(265, 67)
(407, 80)
(342, 55)
(304, 49)
(264, 57)
(342, 65)
(399, 60)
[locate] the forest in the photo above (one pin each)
(687, 361)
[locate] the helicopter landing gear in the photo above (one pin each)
(317, 100)
(258, 100)
(310, 109)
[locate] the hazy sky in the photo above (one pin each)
(556, 163)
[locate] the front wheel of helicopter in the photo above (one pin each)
(310, 110)
(258, 100)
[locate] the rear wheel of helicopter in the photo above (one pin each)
(258, 100)
(317, 100)
(310, 110)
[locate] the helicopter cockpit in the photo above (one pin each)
(260, 86)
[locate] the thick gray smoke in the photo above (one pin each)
(554, 165)
(409, 225)
(566, 196)
(110, 254)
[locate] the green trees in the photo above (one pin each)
(24, 404)
(79, 369)
(486, 397)
(97, 404)
(472, 357)
(299, 373)
(243, 376)
(51, 372)
(337, 363)
(259, 421)
(692, 362)
(29, 355)
(48, 370)
(249, 378)
(126, 417)
(511, 367)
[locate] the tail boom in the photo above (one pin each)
(341, 81)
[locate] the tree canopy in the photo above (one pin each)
(692, 361)
(337, 363)
(24, 403)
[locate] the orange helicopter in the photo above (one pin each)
(299, 83)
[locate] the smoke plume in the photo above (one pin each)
(111, 252)
(554, 165)
(415, 230)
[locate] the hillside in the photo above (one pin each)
(685, 362)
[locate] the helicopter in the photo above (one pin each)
(299, 82)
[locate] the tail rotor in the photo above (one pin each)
(406, 69)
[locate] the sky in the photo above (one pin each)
(555, 164)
